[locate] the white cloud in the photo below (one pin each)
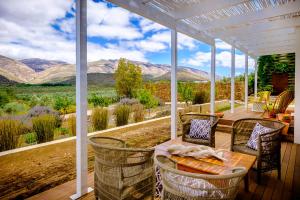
(222, 45)
(148, 25)
(223, 59)
(185, 41)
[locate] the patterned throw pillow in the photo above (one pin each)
(258, 130)
(200, 129)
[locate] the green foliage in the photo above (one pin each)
(251, 81)
(72, 124)
(98, 100)
(138, 113)
(99, 118)
(186, 91)
(147, 99)
(128, 77)
(201, 97)
(4, 99)
(30, 138)
(44, 127)
(62, 103)
(122, 113)
(267, 88)
(44, 110)
(14, 108)
(10, 131)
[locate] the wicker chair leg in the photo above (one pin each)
(258, 177)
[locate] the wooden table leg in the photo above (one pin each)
(246, 181)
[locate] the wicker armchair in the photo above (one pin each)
(269, 144)
(120, 172)
(186, 124)
(181, 185)
(281, 103)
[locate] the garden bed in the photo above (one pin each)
(31, 170)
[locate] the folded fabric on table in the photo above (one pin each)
(199, 151)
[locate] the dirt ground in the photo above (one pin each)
(30, 172)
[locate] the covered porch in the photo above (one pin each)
(255, 28)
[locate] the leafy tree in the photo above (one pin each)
(128, 78)
(147, 99)
(186, 91)
(98, 100)
(62, 103)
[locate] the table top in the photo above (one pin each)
(206, 165)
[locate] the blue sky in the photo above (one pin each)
(31, 30)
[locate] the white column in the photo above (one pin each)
(297, 89)
(246, 81)
(81, 100)
(232, 78)
(212, 79)
(255, 77)
(173, 84)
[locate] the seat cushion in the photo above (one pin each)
(258, 130)
(200, 129)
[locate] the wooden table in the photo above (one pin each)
(234, 159)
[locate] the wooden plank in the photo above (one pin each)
(260, 189)
(270, 186)
(287, 192)
(296, 178)
(279, 186)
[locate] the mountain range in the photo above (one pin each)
(39, 71)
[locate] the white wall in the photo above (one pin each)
(297, 90)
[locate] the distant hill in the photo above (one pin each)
(39, 71)
(38, 64)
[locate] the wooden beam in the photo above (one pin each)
(81, 100)
(246, 18)
(204, 6)
(173, 84)
(147, 11)
(232, 79)
(212, 79)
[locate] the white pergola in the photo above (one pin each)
(255, 27)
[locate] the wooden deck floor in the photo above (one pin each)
(270, 188)
(241, 112)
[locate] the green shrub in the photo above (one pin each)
(99, 118)
(138, 113)
(44, 126)
(62, 103)
(14, 107)
(186, 91)
(147, 99)
(44, 110)
(72, 124)
(98, 100)
(201, 97)
(4, 99)
(122, 113)
(10, 131)
(30, 138)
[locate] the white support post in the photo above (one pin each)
(246, 81)
(255, 78)
(297, 90)
(173, 84)
(81, 99)
(212, 79)
(232, 78)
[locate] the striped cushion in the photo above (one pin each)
(200, 129)
(258, 130)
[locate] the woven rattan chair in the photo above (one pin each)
(120, 172)
(269, 144)
(186, 124)
(181, 185)
(281, 103)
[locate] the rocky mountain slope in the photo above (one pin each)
(37, 71)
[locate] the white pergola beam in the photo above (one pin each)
(232, 79)
(275, 51)
(173, 84)
(202, 7)
(269, 12)
(275, 44)
(264, 37)
(297, 89)
(147, 11)
(213, 79)
(260, 28)
(246, 81)
(81, 100)
(255, 77)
